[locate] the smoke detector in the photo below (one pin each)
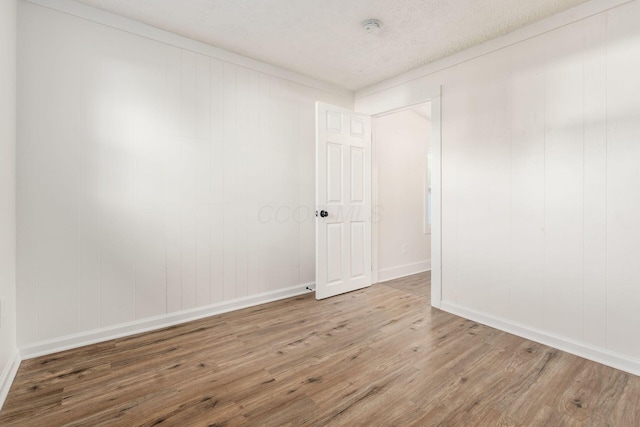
(372, 26)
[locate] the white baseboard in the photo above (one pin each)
(67, 342)
(403, 270)
(8, 375)
(596, 354)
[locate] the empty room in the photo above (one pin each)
(319, 213)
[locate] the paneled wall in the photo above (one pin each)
(153, 179)
(540, 184)
(404, 240)
(8, 348)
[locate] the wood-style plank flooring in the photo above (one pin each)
(376, 357)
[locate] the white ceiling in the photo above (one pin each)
(324, 38)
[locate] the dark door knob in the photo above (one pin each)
(324, 214)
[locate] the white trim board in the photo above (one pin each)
(134, 27)
(577, 13)
(8, 375)
(436, 201)
(81, 339)
(403, 271)
(596, 354)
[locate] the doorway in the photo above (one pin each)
(407, 100)
(334, 126)
(402, 202)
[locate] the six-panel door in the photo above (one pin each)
(343, 191)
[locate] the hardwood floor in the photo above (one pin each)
(376, 357)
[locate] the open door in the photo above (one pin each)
(343, 200)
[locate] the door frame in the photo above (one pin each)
(384, 109)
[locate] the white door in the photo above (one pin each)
(343, 200)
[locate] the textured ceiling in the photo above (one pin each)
(324, 38)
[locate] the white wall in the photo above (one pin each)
(540, 183)
(152, 179)
(401, 144)
(8, 349)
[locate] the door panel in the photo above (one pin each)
(334, 253)
(343, 192)
(357, 249)
(334, 173)
(358, 127)
(357, 175)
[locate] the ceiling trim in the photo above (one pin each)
(135, 27)
(551, 23)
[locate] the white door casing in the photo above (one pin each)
(343, 193)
